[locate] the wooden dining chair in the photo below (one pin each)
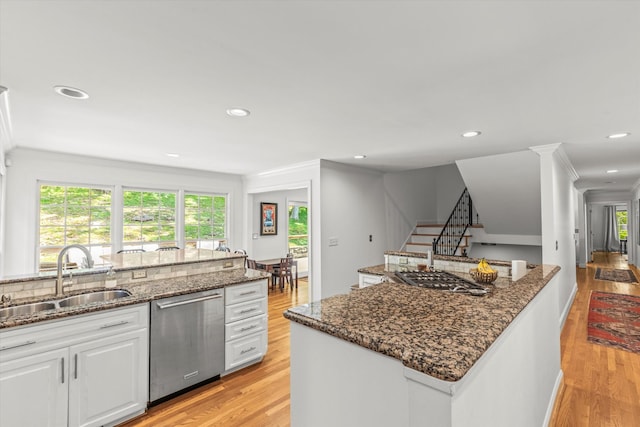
(284, 272)
(251, 263)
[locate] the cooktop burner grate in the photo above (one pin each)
(438, 280)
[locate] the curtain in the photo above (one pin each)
(611, 240)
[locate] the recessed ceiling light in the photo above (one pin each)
(618, 135)
(359, 156)
(609, 182)
(471, 133)
(173, 155)
(612, 171)
(238, 112)
(71, 92)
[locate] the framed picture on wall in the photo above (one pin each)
(268, 219)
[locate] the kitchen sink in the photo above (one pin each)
(20, 310)
(90, 297)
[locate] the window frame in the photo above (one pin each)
(40, 183)
(217, 241)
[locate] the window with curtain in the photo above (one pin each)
(73, 215)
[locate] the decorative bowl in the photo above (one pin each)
(483, 277)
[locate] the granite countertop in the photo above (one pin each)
(143, 292)
(439, 333)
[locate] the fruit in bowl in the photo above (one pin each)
(483, 273)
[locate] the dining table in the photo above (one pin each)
(273, 264)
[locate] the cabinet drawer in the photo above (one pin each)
(245, 310)
(243, 350)
(245, 292)
(20, 341)
(245, 327)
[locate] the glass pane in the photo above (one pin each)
(206, 217)
(52, 236)
(190, 201)
(52, 195)
(77, 235)
(206, 202)
(167, 200)
(78, 196)
(100, 197)
(149, 234)
(100, 216)
(191, 231)
(131, 198)
(132, 234)
(132, 215)
(78, 216)
(148, 216)
(150, 199)
(220, 203)
(218, 231)
(166, 233)
(206, 232)
(100, 235)
(52, 215)
(166, 216)
(191, 217)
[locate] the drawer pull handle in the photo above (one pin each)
(75, 363)
(191, 375)
(248, 350)
(62, 366)
(248, 328)
(17, 345)
(242, 294)
(111, 325)
(162, 306)
(248, 310)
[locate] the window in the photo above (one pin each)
(622, 224)
(205, 220)
(71, 215)
(298, 233)
(149, 219)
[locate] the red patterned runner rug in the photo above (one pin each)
(614, 320)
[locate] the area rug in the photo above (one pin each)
(614, 320)
(616, 275)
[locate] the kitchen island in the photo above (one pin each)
(394, 354)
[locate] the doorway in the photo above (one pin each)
(298, 235)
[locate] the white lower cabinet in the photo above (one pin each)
(365, 279)
(89, 370)
(245, 324)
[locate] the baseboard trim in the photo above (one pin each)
(567, 306)
(554, 401)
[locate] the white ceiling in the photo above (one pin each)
(398, 81)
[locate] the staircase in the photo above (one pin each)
(451, 238)
(421, 239)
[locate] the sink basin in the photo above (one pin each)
(90, 297)
(19, 310)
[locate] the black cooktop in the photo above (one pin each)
(440, 280)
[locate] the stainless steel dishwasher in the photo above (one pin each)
(186, 345)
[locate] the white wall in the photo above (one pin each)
(505, 191)
(29, 166)
(634, 225)
(352, 210)
(558, 215)
(421, 195)
(267, 247)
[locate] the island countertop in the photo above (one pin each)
(439, 333)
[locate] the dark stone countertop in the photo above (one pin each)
(439, 333)
(141, 293)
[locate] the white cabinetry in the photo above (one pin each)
(245, 324)
(88, 370)
(365, 279)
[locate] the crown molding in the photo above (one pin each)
(560, 155)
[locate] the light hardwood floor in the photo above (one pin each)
(601, 384)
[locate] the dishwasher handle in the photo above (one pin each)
(163, 305)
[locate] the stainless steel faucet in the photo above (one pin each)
(60, 280)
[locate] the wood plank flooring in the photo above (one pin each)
(601, 384)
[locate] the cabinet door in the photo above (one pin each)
(108, 379)
(33, 390)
